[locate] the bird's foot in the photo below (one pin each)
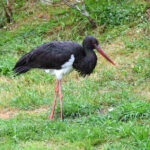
(51, 117)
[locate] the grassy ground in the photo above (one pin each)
(110, 109)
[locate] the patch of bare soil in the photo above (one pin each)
(7, 114)
(39, 110)
(148, 13)
(106, 110)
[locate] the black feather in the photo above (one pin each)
(54, 54)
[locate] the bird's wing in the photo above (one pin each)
(47, 56)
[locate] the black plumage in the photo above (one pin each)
(54, 54)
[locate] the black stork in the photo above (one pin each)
(59, 58)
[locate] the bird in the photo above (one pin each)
(59, 58)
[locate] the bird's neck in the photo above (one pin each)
(85, 63)
(90, 56)
(88, 51)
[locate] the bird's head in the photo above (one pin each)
(91, 43)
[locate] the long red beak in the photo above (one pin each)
(103, 54)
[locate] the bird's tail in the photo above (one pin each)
(22, 65)
(21, 69)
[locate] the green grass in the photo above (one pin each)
(110, 109)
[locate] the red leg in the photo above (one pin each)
(56, 91)
(60, 97)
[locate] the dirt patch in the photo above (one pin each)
(7, 114)
(105, 110)
(39, 110)
(148, 13)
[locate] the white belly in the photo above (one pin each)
(65, 68)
